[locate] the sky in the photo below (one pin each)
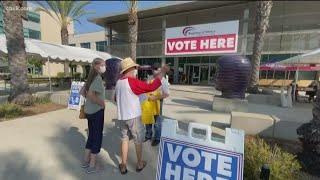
(103, 8)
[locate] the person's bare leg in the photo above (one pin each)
(124, 153)
(86, 158)
(139, 155)
(93, 159)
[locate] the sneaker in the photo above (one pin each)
(155, 143)
(146, 139)
(85, 164)
(91, 170)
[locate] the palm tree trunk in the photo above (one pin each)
(133, 32)
(16, 49)
(65, 41)
(261, 26)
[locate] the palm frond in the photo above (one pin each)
(68, 7)
(133, 4)
(52, 8)
(79, 7)
(49, 13)
(66, 11)
(76, 18)
(61, 9)
(126, 3)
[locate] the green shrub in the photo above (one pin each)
(77, 75)
(24, 99)
(257, 152)
(10, 110)
(60, 75)
(42, 100)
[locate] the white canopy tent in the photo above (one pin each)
(311, 58)
(55, 52)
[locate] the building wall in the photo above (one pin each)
(55, 68)
(47, 30)
(92, 38)
(294, 28)
(51, 32)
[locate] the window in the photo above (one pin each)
(101, 46)
(33, 34)
(1, 27)
(26, 32)
(85, 45)
(33, 17)
(72, 44)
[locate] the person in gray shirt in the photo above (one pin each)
(94, 106)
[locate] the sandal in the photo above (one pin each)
(121, 167)
(144, 165)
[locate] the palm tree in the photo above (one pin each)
(16, 50)
(261, 26)
(133, 27)
(64, 13)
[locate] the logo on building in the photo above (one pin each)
(186, 30)
(191, 31)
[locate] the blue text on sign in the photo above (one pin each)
(191, 163)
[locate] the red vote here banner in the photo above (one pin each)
(220, 43)
(203, 39)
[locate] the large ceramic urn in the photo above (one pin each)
(232, 76)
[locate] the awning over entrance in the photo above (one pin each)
(277, 67)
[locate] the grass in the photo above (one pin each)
(42, 100)
(41, 105)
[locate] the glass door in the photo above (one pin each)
(196, 75)
(204, 74)
(212, 72)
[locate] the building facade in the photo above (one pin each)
(42, 27)
(92, 40)
(294, 29)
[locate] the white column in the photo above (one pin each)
(109, 39)
(176, 70)
(245, 31)
(164, 25)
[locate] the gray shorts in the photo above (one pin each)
(132, 129)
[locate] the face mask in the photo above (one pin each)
(135, 72)
(102, 69)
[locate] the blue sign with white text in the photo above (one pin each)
(74, 100)
(179, 160)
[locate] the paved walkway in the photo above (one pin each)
(50, 146)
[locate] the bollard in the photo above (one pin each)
(265, 172)
(34, 88)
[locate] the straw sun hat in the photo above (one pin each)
(127, 63)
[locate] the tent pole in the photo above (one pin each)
(50, 85)
(273, 78)
(295, 87)
(267, 75)
(285, 77)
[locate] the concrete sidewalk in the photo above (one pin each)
(50, 146)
